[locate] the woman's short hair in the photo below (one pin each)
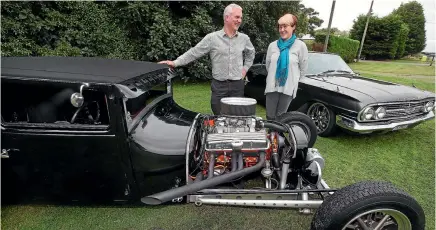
(289, 19)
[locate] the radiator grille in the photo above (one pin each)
(404, 109)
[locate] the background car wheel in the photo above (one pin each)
(323, 117)
(302, 120)
(369, 205)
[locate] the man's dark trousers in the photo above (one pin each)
(227, 88)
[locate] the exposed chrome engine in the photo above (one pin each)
(228, 133)
(225, 148)
(236, 142)
(232, 143)
(226, 124)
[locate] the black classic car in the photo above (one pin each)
(93, 130)
(335, 96)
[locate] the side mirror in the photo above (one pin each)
(77, 99)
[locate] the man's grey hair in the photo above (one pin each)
(229, 8)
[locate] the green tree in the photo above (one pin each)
(404, 32)
(313, 19)
(333, 31)
(382, 36)
(412, 13)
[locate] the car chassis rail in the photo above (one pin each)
(296, 198)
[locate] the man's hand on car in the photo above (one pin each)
(170, 63)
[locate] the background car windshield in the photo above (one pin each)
(318, 63)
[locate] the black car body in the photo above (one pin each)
(333, 95)
(140, 134)
(99, 130)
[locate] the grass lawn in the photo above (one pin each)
(394, 68)
(416, 61)
(406, 158)
(427, 84)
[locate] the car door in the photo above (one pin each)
(82, 162)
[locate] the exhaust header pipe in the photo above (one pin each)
(168, 195)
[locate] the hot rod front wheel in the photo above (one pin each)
(369, 205)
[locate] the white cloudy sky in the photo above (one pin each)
(347, 10)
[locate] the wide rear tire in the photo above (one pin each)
(369, 203)
(301, 119)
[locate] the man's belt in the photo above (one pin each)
(227, 80)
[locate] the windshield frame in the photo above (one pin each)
(153, 95)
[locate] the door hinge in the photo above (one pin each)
(5, 152)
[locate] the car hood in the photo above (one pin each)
(380, 91)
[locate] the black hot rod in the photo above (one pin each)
(97, 130)
(334, 96)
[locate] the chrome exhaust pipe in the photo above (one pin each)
(211, 165)
(261, 203)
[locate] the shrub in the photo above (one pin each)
(345, 47)
(309, 44)
(316, 46)
(139, 30)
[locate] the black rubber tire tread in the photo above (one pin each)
(352, 200)
(289, 117)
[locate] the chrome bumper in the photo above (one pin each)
(355, 126)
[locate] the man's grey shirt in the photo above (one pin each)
(228, 54)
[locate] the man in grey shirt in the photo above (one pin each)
(231, 54)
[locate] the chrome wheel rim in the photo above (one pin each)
(320, 116)
(379, 219)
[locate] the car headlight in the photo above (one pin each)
(367, 114)
(380, 112)
(429, 106)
